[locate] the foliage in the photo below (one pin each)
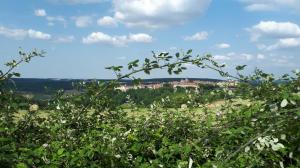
(256, 126)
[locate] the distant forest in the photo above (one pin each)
(36, 85)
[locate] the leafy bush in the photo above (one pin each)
(256, 125)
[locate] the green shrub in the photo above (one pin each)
(257, 125)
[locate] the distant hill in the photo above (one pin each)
(37, 85)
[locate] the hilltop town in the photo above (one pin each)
(36, 85)
(184, 83)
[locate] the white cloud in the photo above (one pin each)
(40, 12)
(76, 2)
(289, 42)
(222, 57)
(122, 58)
(99, 37)
(259, 7)
(173, 48)
(107, 21)
(273, 35)
(157, 13)
(231, 54)
(223, 45)
(83, 21)
(280, 61)
(261, 46)
(38, 35)
(238, 57)
(20, 34)
(198, 36)
(274, 29)
(260, 56)
(13, 33)
(246, 56)
(270, 5)
(140, 37)
(53, 19)
(284, 43)
(284, 61)
(51, 24)
(65, 39)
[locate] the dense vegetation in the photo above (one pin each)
(40, 91)
(50, 85)
(256, 125)
(145, 97)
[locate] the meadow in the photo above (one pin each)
(254, 124)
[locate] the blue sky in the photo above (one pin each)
(81, 37)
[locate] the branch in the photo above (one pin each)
(250, 141)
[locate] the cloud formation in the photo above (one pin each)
(38, 35)
(223, 46)
(222, 57)
(40, 12)
(280, 35)
(20, 34)
(78, 2)
(107, 21)
(241, 56)
(99, 37)
(83, 21)
(274, 29)
(157, 13)
(284, 44)
(64, 39)
(51, 19)
(56, 19)
(270, 5)
(260, 56)
(197, 36)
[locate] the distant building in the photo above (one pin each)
(122, 88)
(229, 83)
(185, 83)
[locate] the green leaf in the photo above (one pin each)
(117, 68)
(240, 67)
(185, 58)
(109, 67)
(284, 103)
(222, 66)
(21, 165)
(2, 139)
(147, 71)
(133, 64)
(189, 51)
(17, 74)
(147, 60)
(209, 56)
(60, 151)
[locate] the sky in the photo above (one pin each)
(82, 37)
